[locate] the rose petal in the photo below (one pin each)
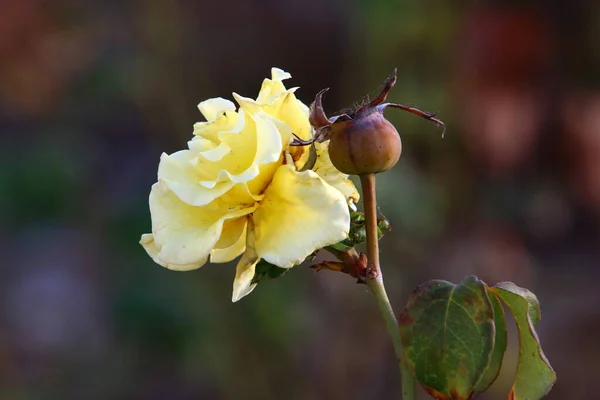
(183, 176)
(147, 241)
(214, 154)
(272, 88)
(333, 176)
(197, 180)
(242, 284)
(299, 214)
(260, 145)
(184, 235)
(232, 242)
(295, 113)
(213, 108)
(215, 131)
(277, 74)
(244, 272)
(281, 103)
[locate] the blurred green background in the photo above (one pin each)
(91, 93)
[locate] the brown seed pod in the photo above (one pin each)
(362, 142)
(369, 144)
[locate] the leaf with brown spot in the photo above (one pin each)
(448, 334)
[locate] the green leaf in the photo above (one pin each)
(357, 216)
(358, 233)
(265, 270)
(500, 341)
(341, 246)
(448, 334)
(383, 224)
(535, 376)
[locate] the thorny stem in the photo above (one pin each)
(374, 279)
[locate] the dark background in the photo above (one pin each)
(91, 93)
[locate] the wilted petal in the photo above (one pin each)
(242, 284)
(244, 272)
(299, 214)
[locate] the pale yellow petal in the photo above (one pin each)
(228, 123)
(184, 177)
(208, 149)
(281, 103)
(232, 230)
(295, 114)
(266, 171)
(242, 284)
(277, 74)
(299, 214)
(208, 170)
(232, 242)
(258, 143)
(284, 106)
(244, 272)
(238, 196)
(241, 137)
(325, 169)
(270, 145)
(213, 108)
(262, 145)
(184, 235)
(246, 103)
(147, 241)
(272, 88)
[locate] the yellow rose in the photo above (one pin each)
(238, 189)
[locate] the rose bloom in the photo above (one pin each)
(240, 188)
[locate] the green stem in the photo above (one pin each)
(374, 280)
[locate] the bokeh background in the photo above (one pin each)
(91, 93)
